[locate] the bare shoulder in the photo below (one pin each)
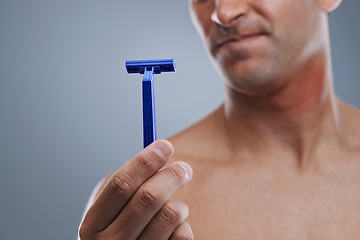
(199, 140)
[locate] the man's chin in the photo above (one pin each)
(254, 84)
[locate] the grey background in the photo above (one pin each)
(69, 113)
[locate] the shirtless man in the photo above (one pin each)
(279, 160)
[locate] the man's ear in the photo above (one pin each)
(328, 5)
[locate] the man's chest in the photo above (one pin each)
(229, 207)
(255, 219)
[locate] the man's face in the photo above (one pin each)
(258, 44)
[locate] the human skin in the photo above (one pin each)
(132, 203)
(279, 159)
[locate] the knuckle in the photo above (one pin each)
(175, 173)
(120, 185)
(149, 197)
(178, 173)
(183, 232)
(147, 161)
(172, 215)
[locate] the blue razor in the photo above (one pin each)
(149, 68)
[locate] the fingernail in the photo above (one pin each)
(187, 169)
(163, 148)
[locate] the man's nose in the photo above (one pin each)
(227, 12)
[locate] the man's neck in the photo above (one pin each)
(294, 120)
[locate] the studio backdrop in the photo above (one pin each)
(70, 114)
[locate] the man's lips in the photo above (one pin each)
(237, 39)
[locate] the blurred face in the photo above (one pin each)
(258, 44)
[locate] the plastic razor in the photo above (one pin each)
(149, 68)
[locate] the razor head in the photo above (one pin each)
(159, 65)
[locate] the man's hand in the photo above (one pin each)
(134, 202)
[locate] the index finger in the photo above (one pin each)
(124, 183)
